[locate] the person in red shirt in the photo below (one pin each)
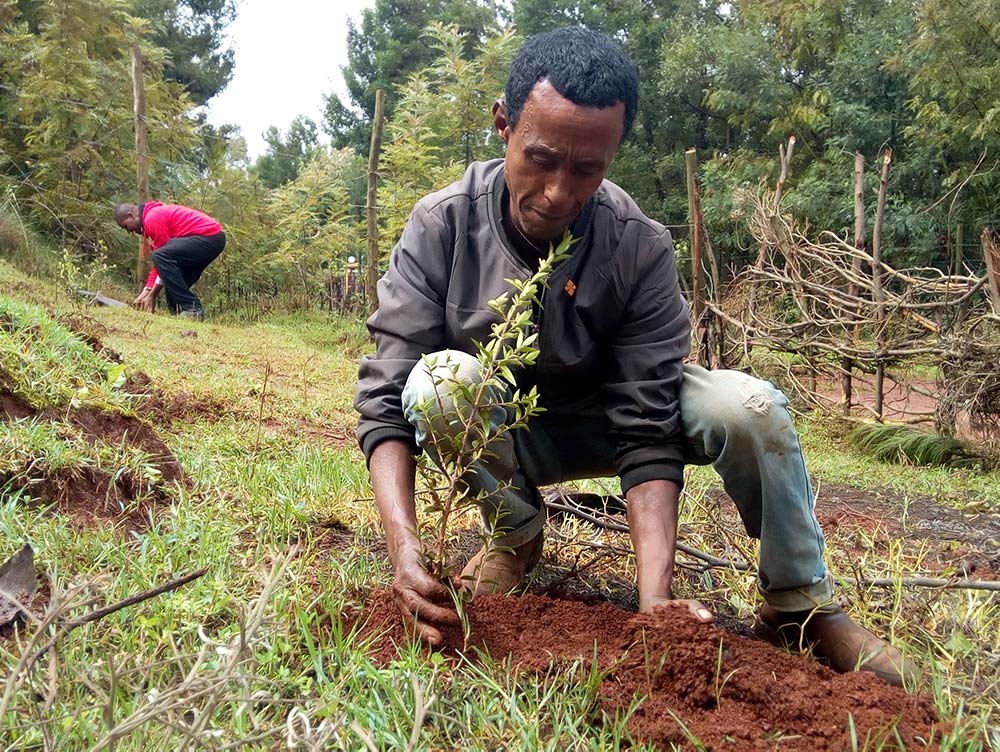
(184, 242)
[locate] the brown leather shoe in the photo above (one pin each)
(500, 570)
(833, 636)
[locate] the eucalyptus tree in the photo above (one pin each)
(287, 153)
(386, 47)
(193, 32)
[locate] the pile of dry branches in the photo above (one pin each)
(844, 315)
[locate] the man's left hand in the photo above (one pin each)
(698, 609)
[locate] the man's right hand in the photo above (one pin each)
(423, 601)
(146, 300)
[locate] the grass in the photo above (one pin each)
(250, 655)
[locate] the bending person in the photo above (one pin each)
(613, 334)
(184, 242)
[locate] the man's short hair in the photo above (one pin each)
(585, 66)
(122, 210)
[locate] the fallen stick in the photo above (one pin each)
(741, 566)
(928, 582)
(68, 626)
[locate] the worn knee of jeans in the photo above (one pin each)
(446, 402)
(450, 408)
(744, 414)
(742, 426)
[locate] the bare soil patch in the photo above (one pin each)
(955, 543)
(730, 692)
(168, 408)
(91, 496)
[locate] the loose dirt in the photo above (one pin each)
(694, 680)
(91, 496)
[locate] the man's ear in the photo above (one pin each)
(500, 121)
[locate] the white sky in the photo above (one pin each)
(288, 55)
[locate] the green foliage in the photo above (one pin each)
(386, 48)
(909, 445)
(443, 121)
(47, 365)
(66, 117)
(287, 153)
(192, 33)
(317, 228)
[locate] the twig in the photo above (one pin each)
(740, 566)
(929, 582)
(67, 626)
(137, 598)
(712, 561)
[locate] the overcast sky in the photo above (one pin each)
(288, 55)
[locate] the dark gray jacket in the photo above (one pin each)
(612, 346)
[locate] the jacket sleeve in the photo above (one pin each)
(409, 322)
(642, 395)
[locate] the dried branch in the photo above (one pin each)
(841, 309)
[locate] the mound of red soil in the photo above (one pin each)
(694, 680)
(175, 407)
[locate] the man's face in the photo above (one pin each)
(556, 158)
(131, 221)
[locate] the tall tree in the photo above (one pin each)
(193, 34)
(386, 48)
(443, 120)
(287, 152)
(954, 66)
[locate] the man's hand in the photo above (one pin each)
(422, 600)
(698, 609)
(146, 300)
(652, 522)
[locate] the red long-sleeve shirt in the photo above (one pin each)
(162, 222)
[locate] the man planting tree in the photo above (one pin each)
(184, 242)
(613, 332)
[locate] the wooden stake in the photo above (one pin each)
(371, 279)
(991, 255)
(141, 153)
(879, 293)
(694, 223)
(847, 364)
(785, 157)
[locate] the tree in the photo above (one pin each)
(953, 67)
(67, 131)
(386, 49)
(192, 32)
(442, 122)
(287, 153)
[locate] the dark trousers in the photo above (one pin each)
(180, 263)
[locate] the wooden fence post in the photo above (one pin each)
(847, 364)
(991, 255)
(785, 159)
(371, 278)
(694, 223)
(143, 263)
(878, 292)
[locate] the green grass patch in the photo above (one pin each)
(277, 508)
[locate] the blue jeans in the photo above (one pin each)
(735, 422)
